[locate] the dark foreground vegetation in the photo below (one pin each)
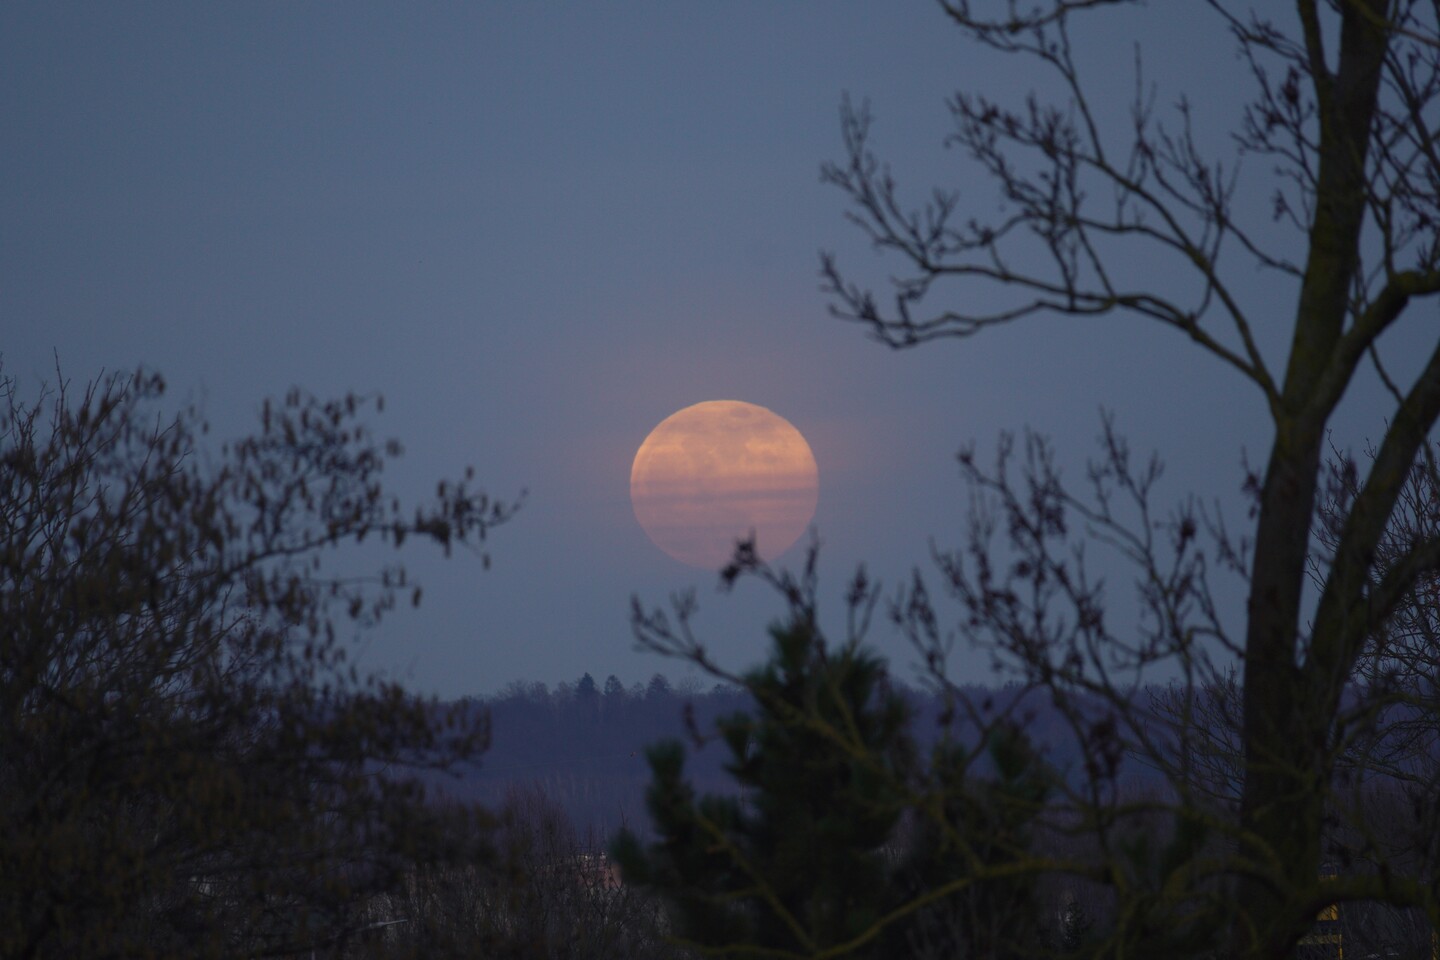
(874, 821)
(188, 766)
(1005, 761)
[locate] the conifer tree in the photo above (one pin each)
(977, 829)
(796, 863)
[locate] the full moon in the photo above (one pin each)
(715, 472)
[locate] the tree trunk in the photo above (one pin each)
(1284, 730)
(1281, 802)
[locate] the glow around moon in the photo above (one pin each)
(712, 473)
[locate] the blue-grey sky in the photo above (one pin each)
(540, 228)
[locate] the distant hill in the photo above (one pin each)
(583, 744)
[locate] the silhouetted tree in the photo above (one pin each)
(795, 864)
(188, 765)
(846, 839)
(658, 688)
(1345, 108)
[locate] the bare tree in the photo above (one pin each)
(189, 766)
(1345, 109)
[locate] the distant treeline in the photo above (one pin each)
(583, 743)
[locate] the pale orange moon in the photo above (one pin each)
(712, 473)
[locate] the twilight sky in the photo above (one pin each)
(539, 229)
